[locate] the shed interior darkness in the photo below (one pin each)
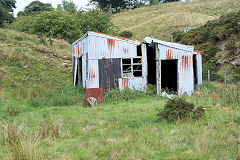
(151, 63)
(195, 68)
(169, 75)
(139, 50)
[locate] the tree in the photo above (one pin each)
(36, 7)
(109, 4)
(67, 6)
(6, 10)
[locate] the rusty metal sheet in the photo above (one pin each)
(184, 55)
(105, 47)
(131, 82)
(93, 74)
(144, 67)
(96, 93)
(109, 72)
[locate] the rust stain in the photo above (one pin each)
(122, 38)
(169, 54)
(199, 52)
(125, 82)
(91, 75)
(125, 50)
(186, 63)
(111, 46)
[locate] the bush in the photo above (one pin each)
(178, 108)
(124, 95)
(126, 34)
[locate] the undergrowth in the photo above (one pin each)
(124, 95)
(61, 97)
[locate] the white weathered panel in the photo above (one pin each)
(93, 74)
(185, 74)
(144, 66)
(199, 68)
(185, 66)
(131, 82)
(84, 76)
(109, 47)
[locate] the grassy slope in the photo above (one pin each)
(129, 130)
(161, 20)
(28, 67)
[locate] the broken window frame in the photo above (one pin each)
(131, 69)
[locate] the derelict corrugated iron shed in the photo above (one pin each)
(105, 61)
(102, 56)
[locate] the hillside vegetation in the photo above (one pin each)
(163, 19)
(29, 64)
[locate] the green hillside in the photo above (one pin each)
(29, 64)
(161, 20)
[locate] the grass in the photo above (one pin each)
(29, 67)
(163, 19)
(130, 129)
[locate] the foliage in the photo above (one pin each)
(35, 7)
(67, 6)
(126, 34)
(96, 21)
(124, 95)
(178, 108)
(212, 32)
(64, 25)
(6, 11)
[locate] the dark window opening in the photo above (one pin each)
(132, 67)
(139, 50)
(151, 62)
(169, 75)
(195, 68)
(137, 70)
(126, 67)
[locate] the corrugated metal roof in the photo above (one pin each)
(169, 44)
(110, 37)
(198, 52)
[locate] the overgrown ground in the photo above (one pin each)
(30, 65)
(163, 19)
(120, 129)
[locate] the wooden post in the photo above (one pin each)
(208, 76)
(225, 77)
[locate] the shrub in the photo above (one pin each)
(126, 34)
(124, 95)
(178, 108)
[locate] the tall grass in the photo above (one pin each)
(18, 147)
(61, 97)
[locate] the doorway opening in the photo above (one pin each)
(151, 62)
(169, 75)
(79, 71)
(195, 68)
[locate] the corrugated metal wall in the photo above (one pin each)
(185, 66)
